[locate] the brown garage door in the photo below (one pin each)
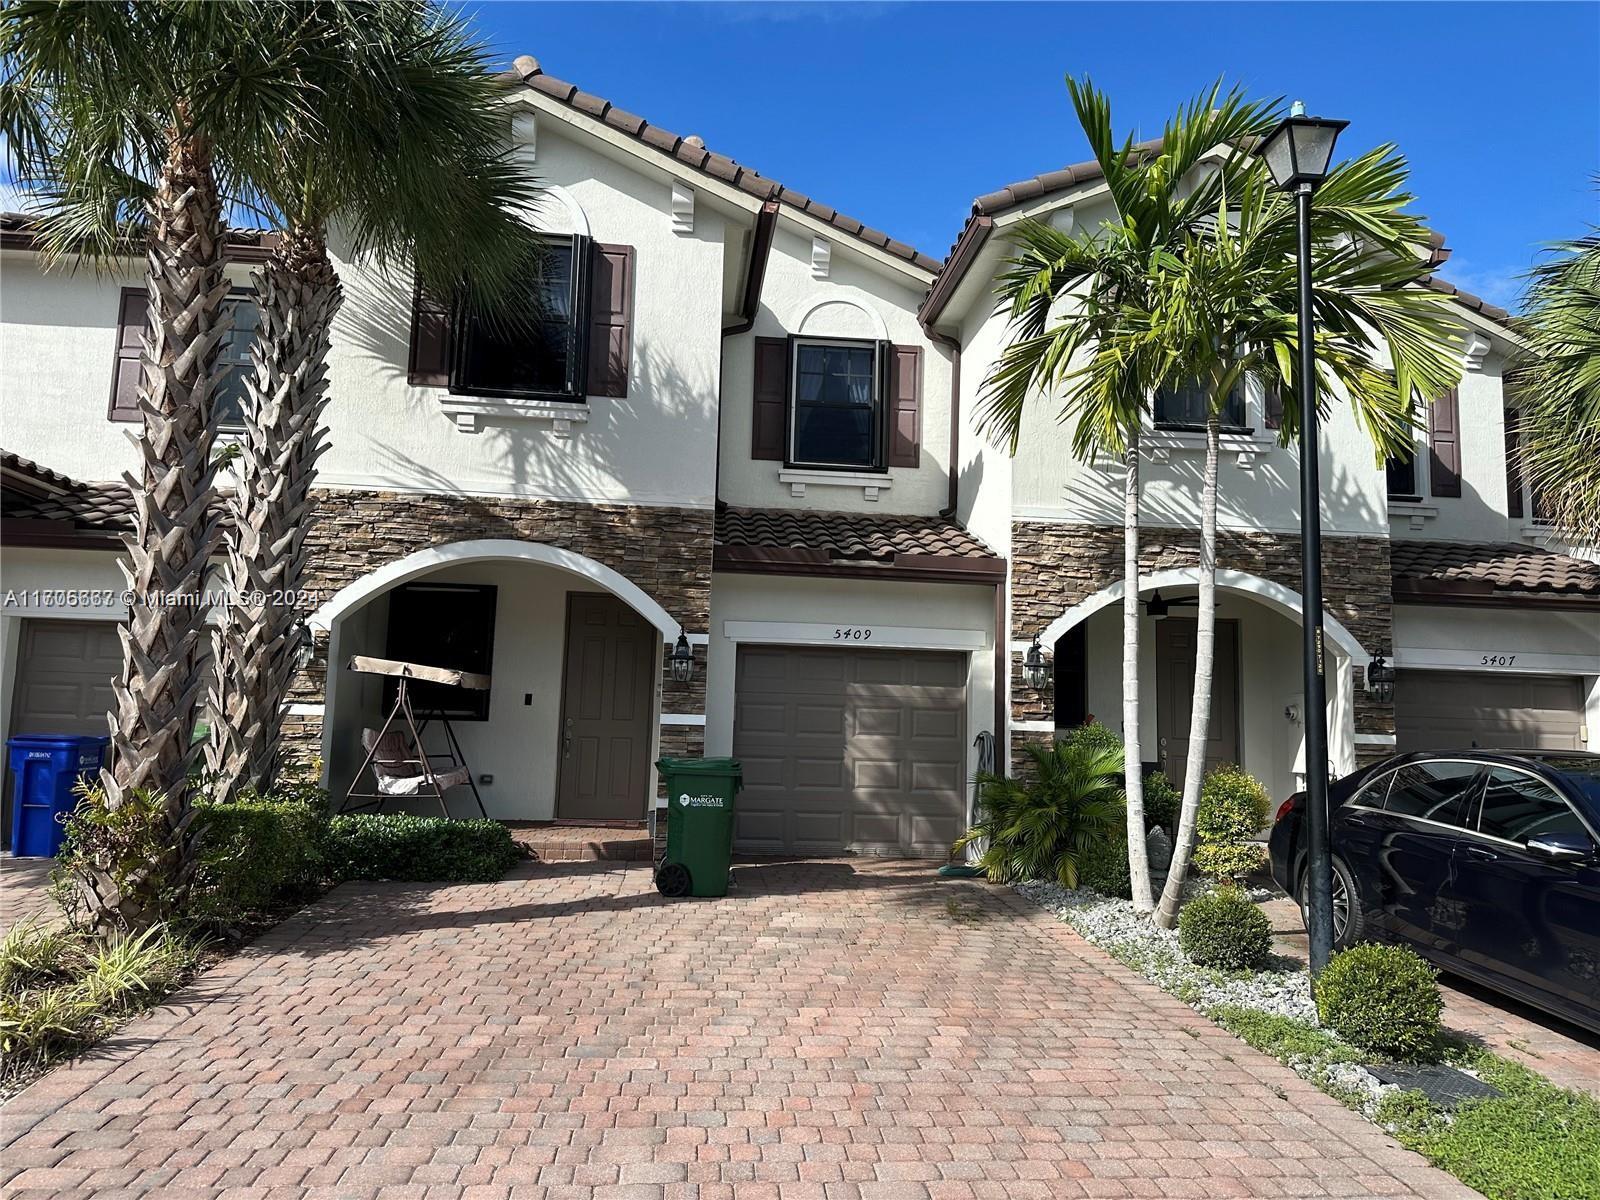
(62, 684)
(1459, 710)
(850, 751)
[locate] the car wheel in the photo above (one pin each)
(672, 880)
(1349, 922)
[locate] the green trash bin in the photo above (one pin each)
(700, 794)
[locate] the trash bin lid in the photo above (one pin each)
(58, 740)
(701, 766)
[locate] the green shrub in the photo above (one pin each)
(1161, 799)
(1234, 807)
(1104, 866)
(133, 847)
(1041, 826)
(39, 1025)
(128, 971)
(1382, 998)
(1223, 929)
(1161, 803)
(32, 954)
(405, 847)
(256, 853)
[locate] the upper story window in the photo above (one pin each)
(1185, 408)
(233, 360)
(540, 357)
(836, 419)
(1403, 477)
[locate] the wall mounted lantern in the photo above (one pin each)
(1380, 680)
(1035, 671)
(682, 660)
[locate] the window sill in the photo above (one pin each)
(798, 479)
(1539, 532)
(469, 412)
(1417, 512)
(1245, 445)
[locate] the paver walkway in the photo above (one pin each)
(25, 890)
(832, 1030)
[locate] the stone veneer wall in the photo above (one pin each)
(1057, 565)
(665, 551)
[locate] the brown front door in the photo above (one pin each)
(1175, 695)
(608, 692)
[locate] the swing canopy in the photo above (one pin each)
(363, 665)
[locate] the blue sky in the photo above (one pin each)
(899, 114)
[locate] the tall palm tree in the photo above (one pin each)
(1080, 309)
(1557, 387)
(403, 146)
(1226, 308)
(115, 114)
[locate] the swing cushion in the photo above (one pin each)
(400, 771)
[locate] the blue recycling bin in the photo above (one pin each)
(46, 768)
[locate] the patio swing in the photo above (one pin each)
(401, 765)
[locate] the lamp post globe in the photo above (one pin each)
(1297, 154)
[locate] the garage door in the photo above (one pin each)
(850, 751)
(1459, 710)
(63, 682)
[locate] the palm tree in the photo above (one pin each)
(1080, 307)
(1557, 388)
(115, 114)
(403, 147)
(1226, 309)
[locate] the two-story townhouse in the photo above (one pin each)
(736, 434)
(754, 431)
(1436, 564)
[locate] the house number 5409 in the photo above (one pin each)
(1499, 660)
(849, 634)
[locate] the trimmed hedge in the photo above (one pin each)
(1223, 929)
(1234, 807)
(256, 854)
(1382, 998)
(417, 849)
(1105, 867)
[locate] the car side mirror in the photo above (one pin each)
(1562, 847)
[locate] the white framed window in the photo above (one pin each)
(836, 404)
(1184, 409)
(546, 357)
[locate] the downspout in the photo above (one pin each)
(749, 306)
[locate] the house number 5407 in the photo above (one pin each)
(845, 633)
(1499, 660)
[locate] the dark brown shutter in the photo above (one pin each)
(610, 320)
(1513, 465)
(771, 410)
(429, 362)
(905, 406)
(125, 372)
(1444, 445)
(1272, 407)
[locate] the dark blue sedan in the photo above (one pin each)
(1486, 863)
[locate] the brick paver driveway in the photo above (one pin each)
(832, 1030)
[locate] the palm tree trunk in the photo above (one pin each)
(158, 692)
(1205, 641)
(298, 293)
(1133, 766)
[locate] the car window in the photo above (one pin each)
(1435, 791)
(1371, 795)
(1516, 806)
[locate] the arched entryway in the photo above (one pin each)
(1257, 717)
(569, 728)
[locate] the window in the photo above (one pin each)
(543, 356)
(1517, 806)
(1185, 408)
(836, 419)
(1434, 791)
(1402, 474)
(443, 625)
(1372, 794)
(233, 360)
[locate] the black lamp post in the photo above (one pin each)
(1297, 153)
